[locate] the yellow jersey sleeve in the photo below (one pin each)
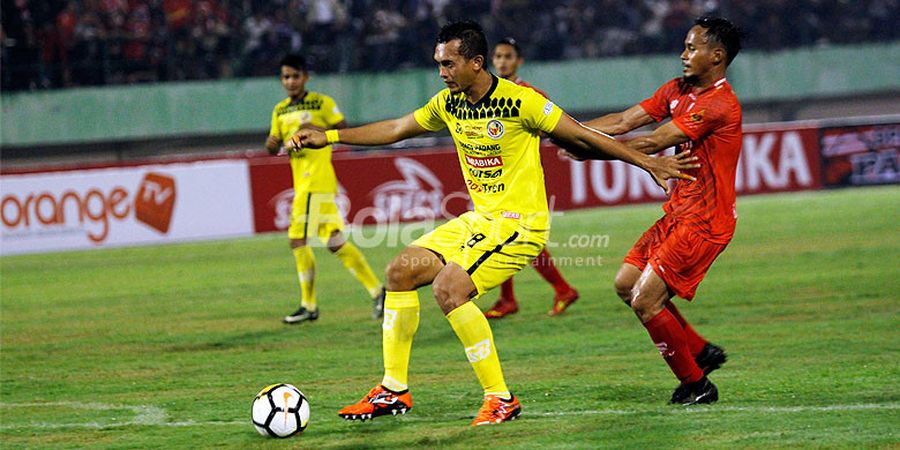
(539, 113)
(429, 116)
(331, 114)
(275, 130)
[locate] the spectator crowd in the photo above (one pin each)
(67, 43)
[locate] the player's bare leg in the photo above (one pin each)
(648, 301)
(306, 273)
(412, 268)
(453, 290)
(706, 354)
(625, 281)
(357, 265)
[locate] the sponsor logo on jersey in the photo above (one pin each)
(470, 131)
(548, 108)
(494, 129)
(484, 162)
(485, 173)
(673, 104)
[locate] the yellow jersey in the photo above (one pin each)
(498, 145)
(311, 168)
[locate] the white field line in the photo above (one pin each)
(148, 415)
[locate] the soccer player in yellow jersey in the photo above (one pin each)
(495, 125)
(314, 213)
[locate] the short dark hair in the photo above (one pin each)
(471, 38)
(510, 41)
(294, 60)
(722, 31)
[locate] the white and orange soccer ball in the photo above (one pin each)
(280, 410)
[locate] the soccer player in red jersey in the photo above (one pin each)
(673, 256)
(507, 58)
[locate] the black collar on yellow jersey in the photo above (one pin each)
(487, 95)
(301, 99)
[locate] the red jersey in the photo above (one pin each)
(711, 119)
(522, 82)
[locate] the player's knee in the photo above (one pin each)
(441, 290)
(336, 241)
(623, 287)
(397, 276)
(644, 307)
(297, 243)
(448, 294)
(639, 306)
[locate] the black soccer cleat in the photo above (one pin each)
(301, 315)
(378, 305)
(711, 358)
(699, 392)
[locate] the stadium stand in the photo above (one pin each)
(57, 44)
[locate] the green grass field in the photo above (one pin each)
(165, 347)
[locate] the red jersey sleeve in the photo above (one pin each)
(705, 116)
(657, 106)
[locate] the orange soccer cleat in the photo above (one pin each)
(562, 301)
(378, 402)
(502, 308)
(496, 410)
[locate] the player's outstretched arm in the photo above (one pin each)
(378, 133)
(662, 138)
(595, 145)
(621, 122)
(612, 124)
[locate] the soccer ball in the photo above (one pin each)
(280, 410)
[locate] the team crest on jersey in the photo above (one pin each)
(494, 129)
(697, 117)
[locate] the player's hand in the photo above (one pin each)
(667, 167)
(308, 138)
(273, 144)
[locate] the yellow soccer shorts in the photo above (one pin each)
(314, 214)
(491, 250)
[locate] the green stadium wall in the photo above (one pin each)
(120, 113)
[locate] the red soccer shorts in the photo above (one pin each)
(678, 255)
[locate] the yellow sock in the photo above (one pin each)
(401, 320)
(306, 271)
(355, 262)
(475, 334)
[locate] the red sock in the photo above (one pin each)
(544, 265)
(695, 342)
(669, 338)
(506, 291)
